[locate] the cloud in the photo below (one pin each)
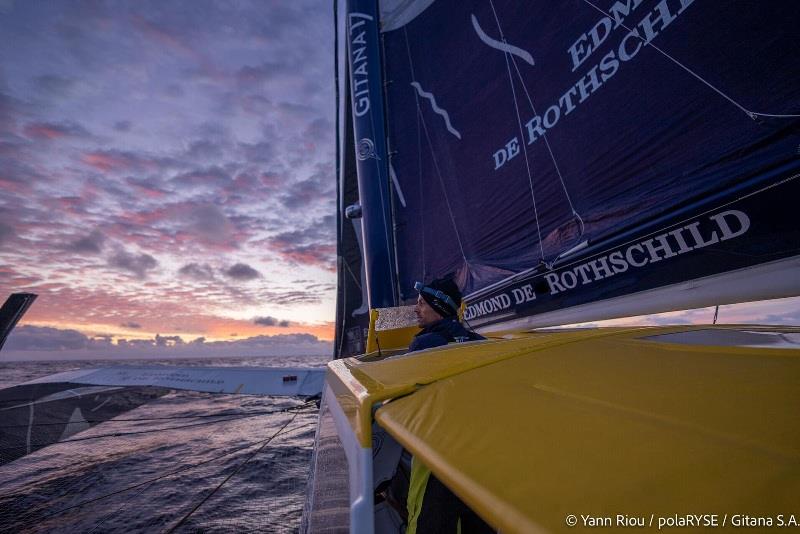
(263, 152)
(212, 177)
(311, 246)
(54, 85)
(113, 150)
(6, 233)
(137, 264)
(204, 149)
(790, 317)
(306, 192)
(148, 187)
(28, 337)
(257, 74)
(168, 341)
(241, 271)
(288, 298)
(133, 325)
(197, 271)
(52, 343)
(271, 321)
(90, 244)
(124, 161)
(44, 131)
(211, 225)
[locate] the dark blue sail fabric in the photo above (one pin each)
(518, 130)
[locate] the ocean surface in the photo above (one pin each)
(182, 462)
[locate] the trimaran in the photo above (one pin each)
(566, 162)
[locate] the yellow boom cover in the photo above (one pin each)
(595, 424)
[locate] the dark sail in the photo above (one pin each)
(533, 138)
(352, 311)
(12, 311)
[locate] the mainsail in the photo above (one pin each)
(553, 156)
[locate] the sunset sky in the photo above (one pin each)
(167, 179)
(168, 168)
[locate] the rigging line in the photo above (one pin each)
(139, 432)
(419, 154)
(441, 182)
(337, 103)
(421, 119)
(238, 468)
(522, 135)
(121, 507)
(716, 314)
(356, 280)
(749, 113)
(547, 143)
(146, 482)
(421, 195)
(388, 232)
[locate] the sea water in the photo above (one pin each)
(179, 463)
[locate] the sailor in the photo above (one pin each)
(432, 507)
(437, 315)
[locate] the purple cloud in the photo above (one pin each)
(313, 245)
(89, 244)
(54, 85)
(6, 233)
(43, 131)
(186, 137)
(28, 337)
(271, 321)
(197, 271)
(243, 272)
(138, 264)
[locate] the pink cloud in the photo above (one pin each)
(45, 131)
(165, 38)
(317, 255)
(106, 162)
(146, 189)
(117, 161)
(14, 186)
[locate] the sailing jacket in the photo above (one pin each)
(441, 333)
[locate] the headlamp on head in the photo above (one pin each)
(444, 297)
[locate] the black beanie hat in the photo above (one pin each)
(449, 288)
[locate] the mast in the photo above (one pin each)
(369, 128)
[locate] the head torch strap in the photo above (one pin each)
(436, 293)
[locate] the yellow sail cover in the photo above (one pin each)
(542, 429)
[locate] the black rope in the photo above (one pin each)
(238, 468)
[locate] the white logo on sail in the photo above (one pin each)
(500, 45)
(366, 150)
(436, 108)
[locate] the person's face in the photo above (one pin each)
(426, 315)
